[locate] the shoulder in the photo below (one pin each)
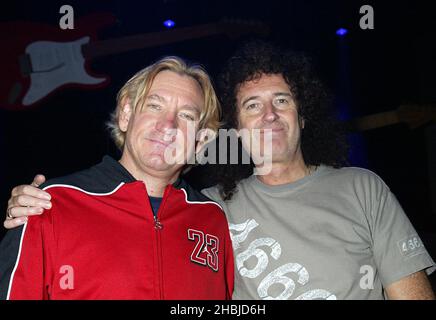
(103, 178)
(88, 181)
(362, 187)
(356, 177)
(212, 193)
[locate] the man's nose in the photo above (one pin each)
(167, 123)
(270, 114)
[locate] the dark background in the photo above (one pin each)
(370, 71)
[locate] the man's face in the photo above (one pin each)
(267, 103)
(173, 104)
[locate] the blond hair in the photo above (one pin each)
(137, 88)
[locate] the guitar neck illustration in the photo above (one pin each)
(154, 39)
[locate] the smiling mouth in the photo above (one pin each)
(164, 143)
(271, 130)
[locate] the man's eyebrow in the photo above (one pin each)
(192, 107)
(276, 94)
(155, 97)
(287, 94)
(249, 98)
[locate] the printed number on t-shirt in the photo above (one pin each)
(262, 249)
(411, 244)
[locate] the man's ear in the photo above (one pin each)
(302, 122)
(124, 115)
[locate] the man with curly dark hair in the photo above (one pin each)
(323, 139)
(307, 229)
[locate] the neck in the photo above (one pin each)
(155, 181)
(286, 172)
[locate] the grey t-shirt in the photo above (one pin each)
(336, 234)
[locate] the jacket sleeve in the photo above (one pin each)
(22, 263)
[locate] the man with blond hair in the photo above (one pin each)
(131, 229)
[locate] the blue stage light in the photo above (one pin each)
(341, 32)
(169, 23)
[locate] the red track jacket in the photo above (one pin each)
(100, 240)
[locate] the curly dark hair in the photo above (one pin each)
(322, 139)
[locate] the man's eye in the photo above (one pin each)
(153, 106)
(282, 103)
(251, 106)
(187, 116)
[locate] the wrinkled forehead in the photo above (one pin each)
(262, 84)
(170, 86)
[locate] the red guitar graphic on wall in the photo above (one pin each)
(41, 59)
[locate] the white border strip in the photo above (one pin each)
(16, 262)
(199, 202)
(84, 191)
